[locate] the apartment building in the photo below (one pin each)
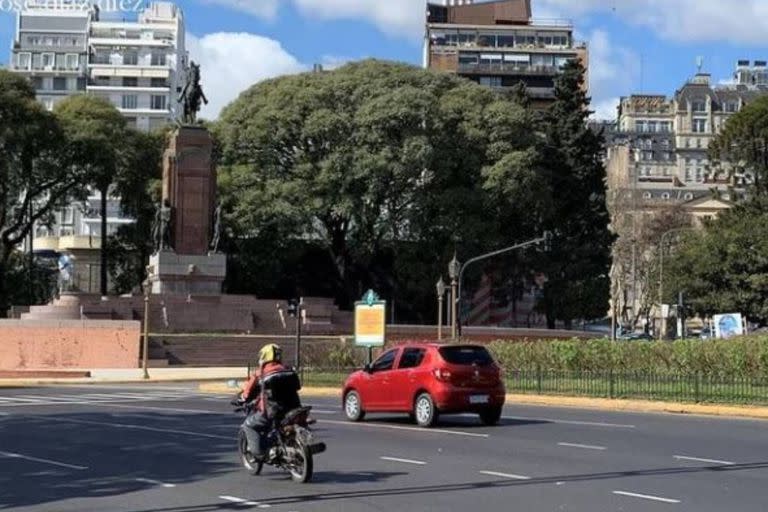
(659, 150)
(137, 64)
(499, 44)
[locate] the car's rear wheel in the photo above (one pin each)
(491, 415)
(425, 411)
(353, 406)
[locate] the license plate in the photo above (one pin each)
(478, 399)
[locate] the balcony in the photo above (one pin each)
(54, 70)
(508, 69)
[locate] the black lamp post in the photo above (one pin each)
(454, 268)
(440, 287)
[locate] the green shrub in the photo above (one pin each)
(745, 357)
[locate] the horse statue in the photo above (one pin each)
(192, 94)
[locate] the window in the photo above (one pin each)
(47, 60)
(732, 106)
(699, 105)
(68, 215)
(158, 82)
(59, 83)
(640, 126)
(665, 127)
(505, 41)
(688, 175)
(72, 60)
(385, 362)
(101, 58)
(653, 126)
(699, 126)
(24, 61)
(466, 355)
(130, 81)
(37, 82)
(158, 103)
(491, 81)
(486, 40)
(130, 59)
(81, 84)
(411, 358)
(130, 101)
(158, 59)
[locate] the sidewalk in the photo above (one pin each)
(124, 376)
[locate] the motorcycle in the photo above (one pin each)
(290, 444)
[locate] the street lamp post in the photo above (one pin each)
(145, 347)
(663, 328)
(545, 239)
(440, 296)
(454, 271)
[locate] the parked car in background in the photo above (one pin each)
(426, 380)
(635, 336)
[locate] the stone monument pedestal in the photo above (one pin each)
(187, 274)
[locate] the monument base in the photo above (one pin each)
(185, 274)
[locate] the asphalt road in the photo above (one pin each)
(170, 449)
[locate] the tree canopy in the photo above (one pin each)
(384, 167)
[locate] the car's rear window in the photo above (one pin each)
(466, 355)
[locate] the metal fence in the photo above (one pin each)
(696, 388)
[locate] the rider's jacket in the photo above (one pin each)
(275, 388)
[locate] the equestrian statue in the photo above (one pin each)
(192, 94)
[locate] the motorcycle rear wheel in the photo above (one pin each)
(302, 467)
(251, 465)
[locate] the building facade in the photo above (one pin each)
(138, 65)
(499, 44)
(657, 161)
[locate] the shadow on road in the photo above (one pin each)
(456, 421)
(471, 486)
(98, 453)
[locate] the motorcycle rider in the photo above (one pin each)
(274, 388)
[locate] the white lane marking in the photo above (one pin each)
(13, 400)
(584, 446)
(697, 459)
(646, 497)
(142, 427)
(569, 422)
(156, 408)
(505, 475)
(12, 455)
(412, 429)
(5, 414)
(404, 461)
(320, 411)
(241, 501)
(155, 482)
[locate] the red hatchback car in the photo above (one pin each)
(426, 379)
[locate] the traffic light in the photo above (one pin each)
(293, 308)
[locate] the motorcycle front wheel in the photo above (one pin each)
(249, 462)
(302, 464)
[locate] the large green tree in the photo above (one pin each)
(724, 267)
(741, 149)
(579, 264)
(384, 168)
(35, 177)
(98, 145)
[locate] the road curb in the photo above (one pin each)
(219, 388)
(603, 404)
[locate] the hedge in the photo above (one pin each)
(745, 357)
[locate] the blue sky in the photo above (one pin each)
(242, 41)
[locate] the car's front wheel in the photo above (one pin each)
(353, 406)
(425, 411)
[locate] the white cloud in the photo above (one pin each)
(232, 62)
(613, 71)
(330, 62)
(745, 21)
(394, 17)
(266, 9)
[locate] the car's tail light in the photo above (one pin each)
(442, 374)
